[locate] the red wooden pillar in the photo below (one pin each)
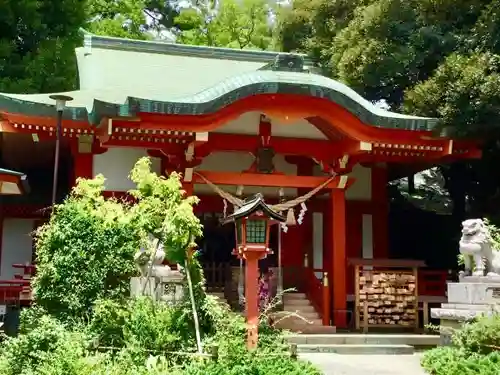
(83, 166)
(252, 297)
(188, 188)
(83, 163)
(339, 257)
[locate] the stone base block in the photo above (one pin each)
(468, 299)
(169, 289)
(137, 285)
(472, 293)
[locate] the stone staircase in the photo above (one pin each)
(299, 316)
(362, 344)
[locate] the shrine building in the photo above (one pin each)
(234, 123)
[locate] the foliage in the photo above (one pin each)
(430, 58)
(481, 336)
(122, 18)
(475, 350)
(37, 41)
(453, 361)
(235, 24)
(140, 337)
(472, 103)
(49, 348)
(141, 323)
(86, 251)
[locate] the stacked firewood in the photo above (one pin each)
(390, 298)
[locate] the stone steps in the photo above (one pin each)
(300, 316)
(365, 339)
(355, 349)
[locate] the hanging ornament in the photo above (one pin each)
(290, 217)
(303, 210)
(281, 193)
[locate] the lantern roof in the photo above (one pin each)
(252, 205)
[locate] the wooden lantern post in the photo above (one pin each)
(252, 223)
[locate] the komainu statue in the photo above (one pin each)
(144, 261)
(476, 248)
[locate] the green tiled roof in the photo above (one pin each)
(286, 75)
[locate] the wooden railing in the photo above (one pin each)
(317, 290)
(432, 282)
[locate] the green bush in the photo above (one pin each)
(475, 350)
(48, 346)
(84, 253)
(139, 323)
(481, 336)
(455, 361)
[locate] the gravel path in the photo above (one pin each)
(335, 364)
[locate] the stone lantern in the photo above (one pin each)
(252, 223)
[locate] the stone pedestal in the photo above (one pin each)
(471, 297)
(168, 289)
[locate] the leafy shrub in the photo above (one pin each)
(85, 252)
(475, 350)
(455, 361)
(138, 323)
(481, 336)
(48, 346)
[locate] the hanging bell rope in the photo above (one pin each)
(280, 207)
(224, 194)
(294, 202)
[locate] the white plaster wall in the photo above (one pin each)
(317, 218)
(239, 162)
(362, 187)
(367, 240)
(116, 164)
(17, 245)
(248, 123)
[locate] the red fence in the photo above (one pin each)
(432, 283)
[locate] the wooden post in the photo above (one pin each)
(326, 300)
(365, 317)
(425, 314)
(214, 352)
(339, 263)
(356, 297)
(417, 304)
(293, 351)
(252, 298)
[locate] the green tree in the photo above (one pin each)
(431, 58)
(235, 24)
(86, 251)
(134, 19)
(118, 18)
(37, 41)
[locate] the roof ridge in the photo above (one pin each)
(170, 48)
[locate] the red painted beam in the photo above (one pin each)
(314, 148)
(269, 180)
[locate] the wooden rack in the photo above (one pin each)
(386, 293)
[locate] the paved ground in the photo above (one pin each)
(335, 364)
